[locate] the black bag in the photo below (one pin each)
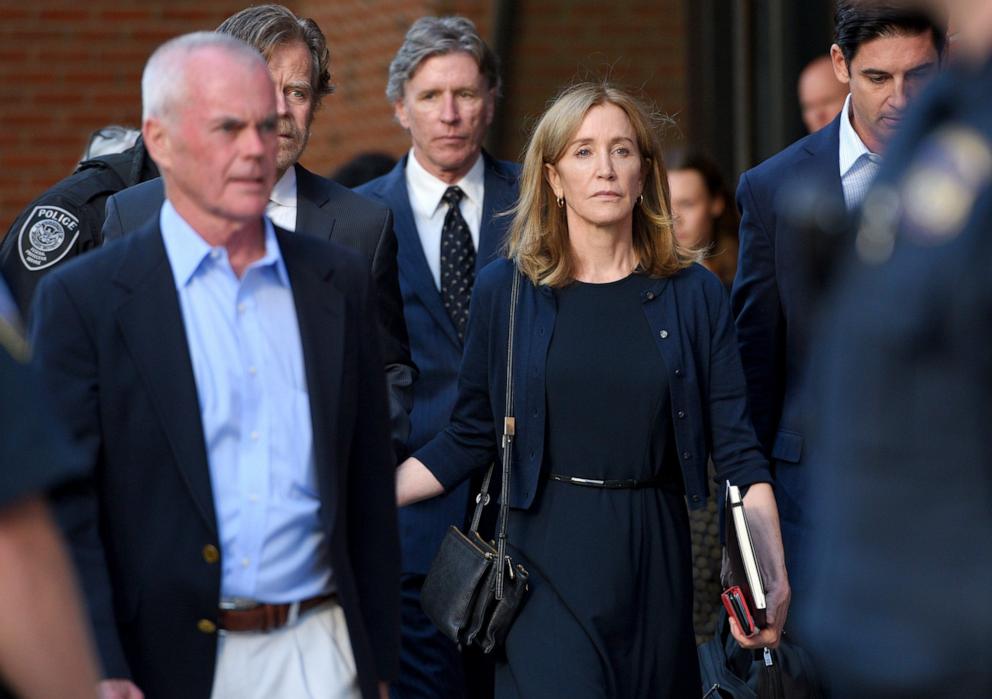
(731, 672)
(473, 590)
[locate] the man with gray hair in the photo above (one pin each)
(296, 53)
(222, 380)
(444, 194)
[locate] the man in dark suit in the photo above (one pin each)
(296, 52)
(885, 53)
(445, 194)
(223, 381)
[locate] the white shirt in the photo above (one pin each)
(281, 208)
(429, 211)
(858, 165)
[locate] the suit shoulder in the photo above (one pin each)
(342, 197)
(148, 191)
(496, 274)
(700, 282)
(778, 168)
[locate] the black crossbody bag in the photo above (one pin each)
(473, 590)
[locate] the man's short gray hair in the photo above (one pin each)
(163, 82)
(434, 36)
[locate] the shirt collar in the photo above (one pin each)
(426, 190)
(284, 192)
(852, 148)
(187, 251)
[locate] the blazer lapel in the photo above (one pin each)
(823, 167)
(500, 196)
(320, 313)
(410, 254)
(151, 323)
(312, 217)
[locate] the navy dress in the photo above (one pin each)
(610, 608)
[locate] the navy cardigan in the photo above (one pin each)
(689, 315)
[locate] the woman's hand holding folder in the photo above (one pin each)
(762, 520)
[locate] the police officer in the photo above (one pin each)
(903, 380)
(65, 221)
(45, 650)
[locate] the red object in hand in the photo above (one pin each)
(736, 606)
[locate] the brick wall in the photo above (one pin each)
(67, 68)
(637, 43)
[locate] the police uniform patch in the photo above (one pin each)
(47, 236)
(941, 189)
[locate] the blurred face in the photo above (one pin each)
(217, 148)
(884, 76)
(447, 106)
(289, 66)
(600, 175)
(821, 95)
(694, 209)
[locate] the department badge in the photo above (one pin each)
(47, 236)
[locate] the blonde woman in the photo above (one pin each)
(627, 379)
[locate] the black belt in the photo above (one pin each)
(625, 484)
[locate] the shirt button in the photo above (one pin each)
(686, 455)
(245, 562)
(254, 436)
(252, 371)
(678, 372)
(215, 254)
(650, 295)
(664, 334)
(206, 626)
(681, 414)
(695, 498)
(252, 498)
(241, 308)
(211, 554)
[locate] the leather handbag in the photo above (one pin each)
(473, 590)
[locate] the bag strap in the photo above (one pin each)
(509, 431)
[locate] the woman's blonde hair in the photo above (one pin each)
(538, 240)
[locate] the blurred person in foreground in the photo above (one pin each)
(901, 379)
(446, 195)
(821, 94)
(703, 220)
(45, 647)
(627, 379)
(886, 51)
(221, 381)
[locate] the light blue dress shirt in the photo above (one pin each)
(244, 343)
(858, 165)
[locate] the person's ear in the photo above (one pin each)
(841, 69)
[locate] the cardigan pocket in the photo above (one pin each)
(788, 446)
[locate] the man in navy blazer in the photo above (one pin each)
(443, 83)
(885, 54)
(296, 52)
(222, 381)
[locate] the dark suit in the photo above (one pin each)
(901, 380)
(326, 210)
(437, 353)
(772, 311)
(112, 349)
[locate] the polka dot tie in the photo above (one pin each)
(457, 261)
